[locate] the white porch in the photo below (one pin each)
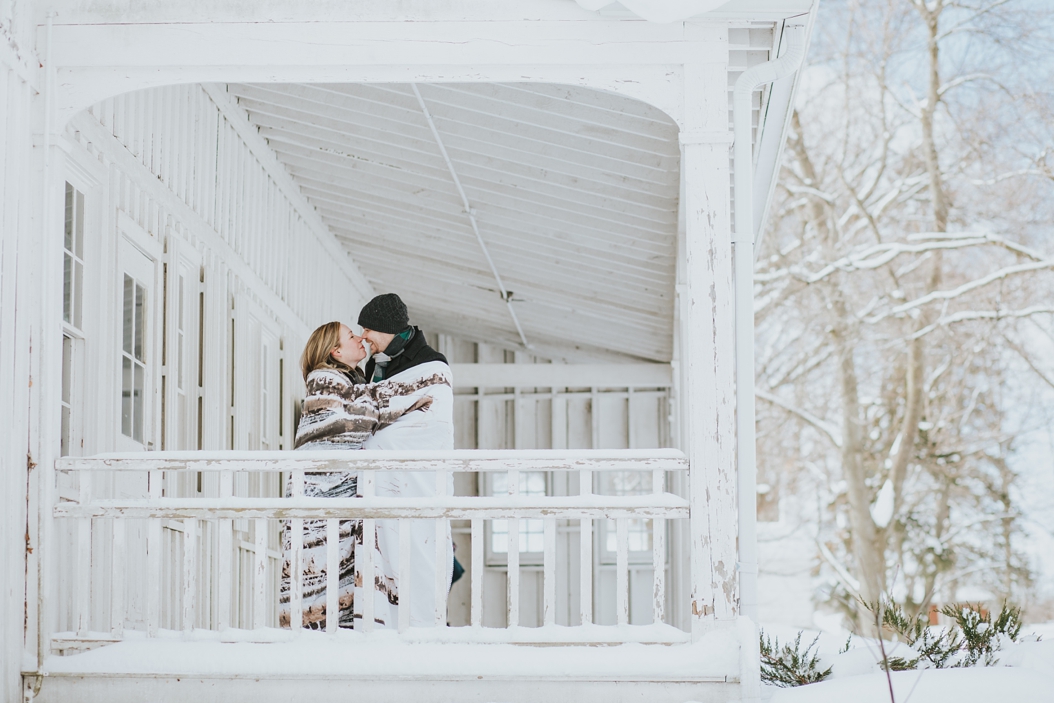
(548, 188)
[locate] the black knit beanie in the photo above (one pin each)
(385, 313)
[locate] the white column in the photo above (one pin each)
(709, 351)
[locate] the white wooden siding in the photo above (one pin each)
(172, 175)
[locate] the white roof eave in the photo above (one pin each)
(664, 11)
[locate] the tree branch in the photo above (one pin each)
(964, 288)
(982, 315)
(827, 428)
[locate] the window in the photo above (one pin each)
(73, 258)
(265, 400)
(532, 531)
(66, 441)
(133, 359)
(639, 532)
(181, 372)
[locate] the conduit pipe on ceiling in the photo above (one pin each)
(505, 294)
(743, 241)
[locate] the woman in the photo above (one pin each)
(339, 412)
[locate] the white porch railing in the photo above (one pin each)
(104, 549)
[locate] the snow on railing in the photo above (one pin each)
(78, 504)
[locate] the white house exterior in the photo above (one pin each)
(187, 189)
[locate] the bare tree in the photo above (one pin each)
(908, 245)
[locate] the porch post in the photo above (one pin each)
(708, 346)
(19, 316)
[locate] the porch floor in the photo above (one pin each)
(387, 666)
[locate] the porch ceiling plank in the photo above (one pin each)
(549, 255)
(581, 227)
(574, 190)
(496, 158)
(558, 298)
(466, 107)
(374, 218)
(580, 321)
(617, 197)
(562, 375)
(362, 204)
(579, 276)
(381, 128)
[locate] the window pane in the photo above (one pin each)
(140, 304)
(137, 407)
(126, 397)
(532, 535)
(127, 314)
(64, 444)
(500, 536)
(78, 286)
(78, 227)
(67, 367)
(68, 240)
(67, 288)
(179, 361)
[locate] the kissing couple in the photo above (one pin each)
(401, 400)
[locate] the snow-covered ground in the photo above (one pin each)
(1024, 674)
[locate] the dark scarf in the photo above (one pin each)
(396, 347)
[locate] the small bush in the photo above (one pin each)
(790, 665)
(974, 638)
(982, 637)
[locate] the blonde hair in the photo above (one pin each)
(318, 352)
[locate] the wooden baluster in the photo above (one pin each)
(622, 570)
(404, 575)
(658, 552)
(549, 573)
(260, 579)
(443, 564)
(477, 572)
(153, 558)
(365, 565)
(83, 572)
(585, 569)
(332, 574)
(296, 560)
(190, 573)
(117, 579)
(513, 593)
(225, 557)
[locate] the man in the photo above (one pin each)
(401, 353)
(396, 344)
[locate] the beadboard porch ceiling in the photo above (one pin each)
(575, 193)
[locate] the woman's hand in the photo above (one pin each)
(421, 404)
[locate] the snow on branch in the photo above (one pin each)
(827, 428)
(987, 236)
(882, 254)
(877, 255)
(999, 275)
(982, 315)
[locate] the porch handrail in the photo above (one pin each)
(316, 461)
(658, 506)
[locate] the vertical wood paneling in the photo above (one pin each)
(15, 147)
